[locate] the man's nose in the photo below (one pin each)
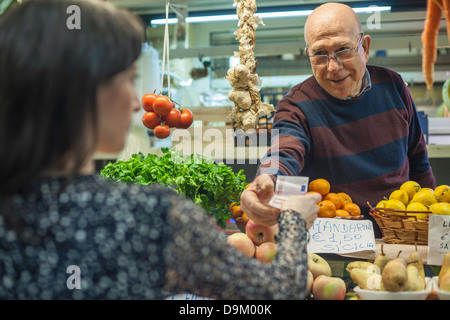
(333, 64)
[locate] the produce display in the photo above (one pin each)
(162, 115)
(386, 274)
(398, 278)
(257, 241)
(385, 277)
(243, 78)
(416, 203)
(334, 205)
(197, 177)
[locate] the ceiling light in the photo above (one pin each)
(262, 15)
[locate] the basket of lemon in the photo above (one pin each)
(403, 217)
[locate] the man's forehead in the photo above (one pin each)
(330, 41)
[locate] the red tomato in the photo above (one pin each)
(147, 101)
(186, 119)
(173, 118)
(151, 120)
(161, 131)
(162, 105)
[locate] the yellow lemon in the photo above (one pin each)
(411, 188)
(417, 206)
(396, 205)
(442, 193)
(400, 195)
(440, 208)
(425, 196)
(381, 204)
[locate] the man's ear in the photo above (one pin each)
(366, 46)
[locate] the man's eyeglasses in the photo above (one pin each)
(339, 56)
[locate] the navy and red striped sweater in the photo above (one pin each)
(365, 146)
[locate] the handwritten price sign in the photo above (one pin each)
(438, 238)
(341, 236)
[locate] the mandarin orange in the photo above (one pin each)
(353, 209)
(326, 209)
(235, 210)
(321, 186)
(333, 197)
(342, 213)
(345, 197)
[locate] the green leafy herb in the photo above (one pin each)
(212, 186)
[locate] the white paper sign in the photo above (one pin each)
(287, 186)
(438, 238)
(341, 236)
(187, 296)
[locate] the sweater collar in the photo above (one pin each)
(367, 84)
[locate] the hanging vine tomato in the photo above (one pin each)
(186, 119)
(162, 105)
(151, 120)
(147, 101)
(172, 119)
(161, 131)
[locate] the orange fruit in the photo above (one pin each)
(235, 210)
(248, 186)
(326, 209)
(244, 216)
(345, 197)
(342, 213)
(333, 197)
(321, 186)
(352, 208)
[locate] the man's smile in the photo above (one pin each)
(339, 80)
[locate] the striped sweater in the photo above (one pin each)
(365, 146)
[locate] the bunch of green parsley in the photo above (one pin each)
(213, 186)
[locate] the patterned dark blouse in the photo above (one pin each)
(120, 241)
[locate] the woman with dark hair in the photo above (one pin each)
(65, 94)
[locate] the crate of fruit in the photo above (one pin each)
(401, 226)
(403, 217)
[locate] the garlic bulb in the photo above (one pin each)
(243, 78)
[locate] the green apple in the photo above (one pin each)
(318, 265)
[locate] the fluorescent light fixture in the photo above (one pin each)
(372, 9)
(263, 15)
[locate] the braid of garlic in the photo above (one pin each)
(243, 78)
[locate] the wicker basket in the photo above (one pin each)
(401, 227)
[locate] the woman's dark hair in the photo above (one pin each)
(49, 75)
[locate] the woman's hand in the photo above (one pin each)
(305, 205)
(254, 201)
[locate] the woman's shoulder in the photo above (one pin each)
(106, 193)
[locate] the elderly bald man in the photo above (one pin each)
(353, 124)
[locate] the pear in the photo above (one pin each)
(359, 264)
(425, 196)
(415, 259)
(381, 260)
(440, 208)
(445, 281)
(445, 267)
(394, 275)
(401, 195)
(414, 280)
(366, 279)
